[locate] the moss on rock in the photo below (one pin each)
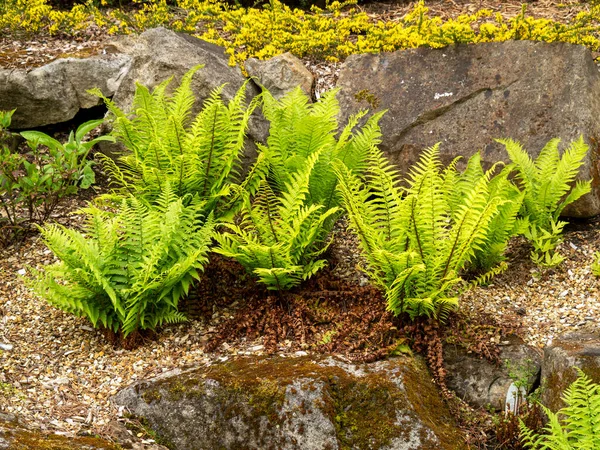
(288, 403)
(17, 437)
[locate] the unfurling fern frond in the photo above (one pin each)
(548, 188)
(127, 270)
(574, 427)
(196, 156)
(418, 239)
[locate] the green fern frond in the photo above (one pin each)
(281, 233)
(547, 185)
(199, 156)
(579, 427)
(418, 239)
(128, 269)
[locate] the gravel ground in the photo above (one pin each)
(57, 373)
(552, 301)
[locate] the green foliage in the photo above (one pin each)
(34, 183)
(270, 28)
(5, 119)
(199, 156)
(579, 426)
(281, 235)
(127, 270)
(417, 240)
(290, 201)
(596, 264)
(547, 185)
(544, 243)
(299, 129)
(505, 224)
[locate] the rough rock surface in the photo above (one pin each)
(281, 74)
(14, 436)
(464, 96)
(579, 349)
(296, 403)
(158, 54)
(483, 384)
(54, 93)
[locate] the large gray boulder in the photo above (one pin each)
(54, 93)
(281, 74)
(464, 96)
(296, 403)
(158, 54)
(483, 384)
(578, 349)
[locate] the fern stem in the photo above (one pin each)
(274, 274)
(180, 154)
(414, 220)
(270, 219)
(210, 153)
(454, 244)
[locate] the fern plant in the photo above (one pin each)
(290, 201)
(547, 184)
(579, 426)
(505, 224)
(127, 270)
(198, 156)
(299, 129)
(417, 240)
(281, 234)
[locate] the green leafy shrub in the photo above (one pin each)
(127, 270)
(417, 240)
(199, 156)
(271, 28)
(34, 183)
(547, 185)
(579, 423)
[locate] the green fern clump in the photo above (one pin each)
(281, 235)
(289, 199)
(299, 129)
(547, 185)
(417, 240)
(579, 425)
(505, 224)
(198, 156)
(127, 270)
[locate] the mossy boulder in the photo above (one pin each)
(14, 436)
(579, 349)
(296, 403)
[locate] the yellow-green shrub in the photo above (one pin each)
(330, 34)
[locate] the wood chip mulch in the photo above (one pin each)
(58, 374)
